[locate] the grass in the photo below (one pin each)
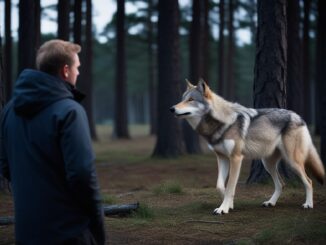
(170, 187)
(108, 199)
(175, 195)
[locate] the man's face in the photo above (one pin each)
(72, 71)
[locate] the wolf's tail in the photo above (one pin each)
(315, 164)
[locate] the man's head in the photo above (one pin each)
(59, 58)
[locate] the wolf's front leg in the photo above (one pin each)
(223, 172)
(235, 166)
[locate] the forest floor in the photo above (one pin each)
(177, 198)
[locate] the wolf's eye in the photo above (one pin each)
(190, 99)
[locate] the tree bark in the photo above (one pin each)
(121, 114)
(63, 19)
(294, 59)
(321, 75)
(270, 65)
(168, 142)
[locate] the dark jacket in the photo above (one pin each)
(47, 155)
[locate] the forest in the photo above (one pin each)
(258, 53)
(216, 41)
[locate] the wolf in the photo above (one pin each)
(235, 132)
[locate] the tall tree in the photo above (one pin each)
(306, 63)
(8, 51)
(88, 60)
(78, 22)
(121, 114)
(2, 102)
(230, 93)
(196, 68)
(205, 40)
(151, 68)
(270, 64)
(26, 35)
(221, 68)
(63, 19)
(294, 58)
(37, 40)
(168, 142)
(321, 74)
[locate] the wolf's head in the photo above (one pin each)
(195, 101)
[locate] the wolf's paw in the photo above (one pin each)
(268, 204)
(307, 206)
(220, 211)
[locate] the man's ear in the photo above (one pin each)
(64, 72)
(189, 85)
(203, 88)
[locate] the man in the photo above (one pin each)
(47, 156)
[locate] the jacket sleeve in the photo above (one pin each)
(76, 146)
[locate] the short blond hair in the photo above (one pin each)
(55, 54)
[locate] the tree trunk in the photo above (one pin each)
(88, 76)
(78, 22)
(191, 137)
(270, 64)
(252, 12)
(230, 95)
(63, 19)
(321, 74)
(168, 142)
(121, 114)
(8, 52)
(221, 68)
(205, 41)
(26, 35)
(37, 27)
(294, 66)
(151, 70)
(306, 64)
(3, 182)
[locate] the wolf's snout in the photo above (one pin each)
(172, 109)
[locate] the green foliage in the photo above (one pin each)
(169, 187)
(143, 212)
(108, 199)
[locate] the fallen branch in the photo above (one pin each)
(123, 209)
(120, 209)
(204, 221)
(7, 220)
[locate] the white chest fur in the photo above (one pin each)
(225, 147)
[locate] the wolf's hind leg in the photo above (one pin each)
(270, 164)
(295, 154)
(300, 171)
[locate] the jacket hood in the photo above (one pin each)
(35, 90)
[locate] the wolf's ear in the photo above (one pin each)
(189, 85)
(203, 88)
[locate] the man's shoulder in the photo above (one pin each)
(68, 105)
